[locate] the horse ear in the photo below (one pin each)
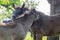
(23, 6)
(13, 5)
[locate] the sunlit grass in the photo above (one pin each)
(28, 36)
(59, 36)
(44, 38)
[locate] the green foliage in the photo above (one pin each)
(31, 3)
(7, 9)
(28, 36)
(5, 12)
(9, 2)
(4, 1)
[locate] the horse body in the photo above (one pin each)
(20, 28)
(16, 33)
(50, 26)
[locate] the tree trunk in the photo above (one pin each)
(52, 12)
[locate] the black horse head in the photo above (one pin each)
(18, 11)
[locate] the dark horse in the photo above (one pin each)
(21, 24)
(46, 25)
(42, 24)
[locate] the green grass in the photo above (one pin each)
(44, 38)
(28, 36)
(59, 36)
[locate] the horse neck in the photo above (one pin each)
(27, 22)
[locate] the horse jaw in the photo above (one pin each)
(10, 24)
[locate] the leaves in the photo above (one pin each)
(7, 9)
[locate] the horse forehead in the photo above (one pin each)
(16, 9)
(19, 10)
